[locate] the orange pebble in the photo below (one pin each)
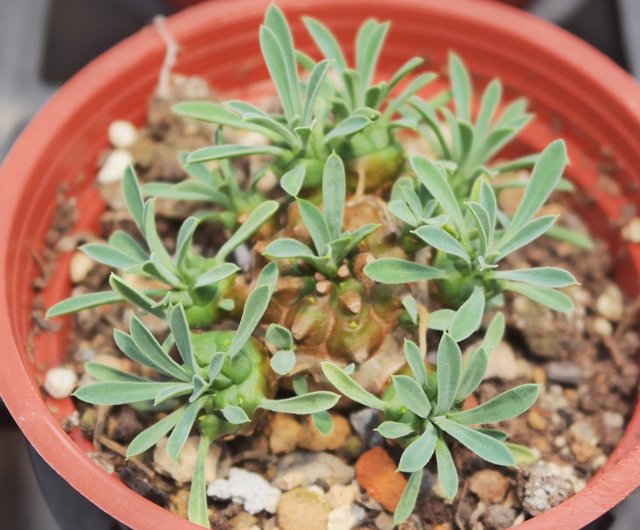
(376, 473)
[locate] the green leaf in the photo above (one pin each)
(315, 223)
(472, 373)
(210, 112)
(540, 276)
(283, 361)
(574, 237)
(417, 455)
(469, 316)
(292, 180)
(502, 407)
(216, 274)
(253, 223)
(119, 392)
(488, 105)
(175, 391)
(490, 204)
(409, 498)
(415, 360)
(484, 446)
(279, 336)
(447, 472)
(528, 233)
(138, 298)
(316, 78)
(131, 350)
(326, 42)
(108, 255)
(411, 306)
(334, 189)
(494, 334)
(351, 125)
(197, 510)
(133, 197)
(149, 346)
(349, 388)
(286, 248)
(393, 430)
(449, 367)
(215, 365)
(107, 374)
(183, 241)
(400, 210)
(220, 152)
(441, 319)
(442, 240)
(436, 183)
(276, 61)
(461, 87)
(412, 395)
(235, 415)
(521, 454)
(483, 224)
(310, 403)
(279, 130)
(124, 242)
(153, 239)
(544, 178)
(182, 336)
(369, 42)
(396, 271)
(323, 422)
(299, 384)
(83, 301)
(152, 435)
(254, 308)
(548, 297)
(183, 427)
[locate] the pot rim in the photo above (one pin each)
(23, 397)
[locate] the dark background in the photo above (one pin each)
(42, 44)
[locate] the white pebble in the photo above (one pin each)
(80, 266)
(122, 134)
(345, 517)
(250, 489)
(610, 303)
(113, 168)
(60, 382)
(631, 231)
(602, 326)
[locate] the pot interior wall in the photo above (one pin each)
(227, 54)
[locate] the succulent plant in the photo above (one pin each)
(470, 240)
(422, 409)
(219, 386)
(357, 118)
(364, 248)
(203, 285)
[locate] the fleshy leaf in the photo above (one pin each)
(349, 388)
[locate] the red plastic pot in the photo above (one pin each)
(577, 93)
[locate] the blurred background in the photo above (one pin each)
(43, 43)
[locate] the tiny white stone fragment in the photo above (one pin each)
(114, 165)
(122, 134)
(248, 488)
(345, 517)
(80, 266)
(60, 382)
(610, 304)
(631, 231)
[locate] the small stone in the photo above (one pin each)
(122, 134)
(489, 485)
(243, 521)
(246, 488)
(582, 431)
(384, 521)
(536, 420)
(502, 363)
(376, 473)
(498, 517)
(602, 327)
(538, 375)
(631, 231)
(303, 508)
(304, 469)
(564, 373)
(340, 495)
(610, 303)
(583, 451)
(284, 434)
(364, 422)
(80, 266)
(543, 486)
(182, 469)
(60, 382)
(114, 166)
(345, 517)
(612, 420)
(312, 439)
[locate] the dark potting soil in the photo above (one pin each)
(585, 362)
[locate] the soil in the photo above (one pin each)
(585, 361)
